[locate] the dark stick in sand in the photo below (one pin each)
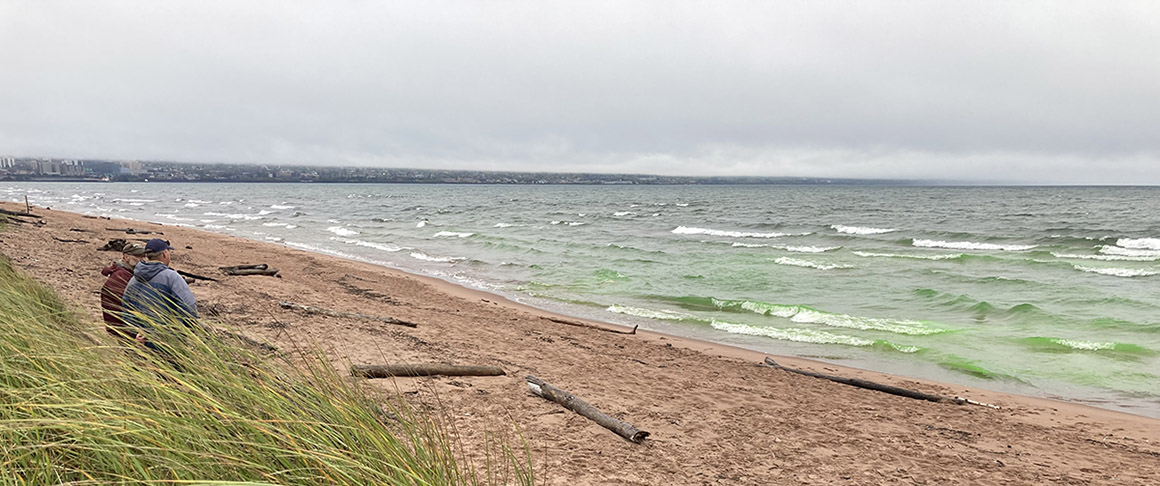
(385, 371)
(548, 392)
(590, 326)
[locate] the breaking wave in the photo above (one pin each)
(808, 264)
(452, 234)
(804, 314)
(951, 256)
(855, 230)
(686, 230)
(340, 231)
(1117, 272)
(1139, 243)
(969, 245)
(806, 336)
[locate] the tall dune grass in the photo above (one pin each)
(77, 408)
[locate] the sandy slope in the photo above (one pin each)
(715, 415)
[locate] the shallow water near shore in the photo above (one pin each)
(1043, 291)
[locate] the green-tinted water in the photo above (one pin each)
(1049, 291)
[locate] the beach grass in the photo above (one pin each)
(79, 407)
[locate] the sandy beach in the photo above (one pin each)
(716, 415)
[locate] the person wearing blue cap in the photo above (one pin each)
(157, 294)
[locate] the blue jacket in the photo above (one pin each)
(158, 293)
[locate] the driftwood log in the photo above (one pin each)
(133, 231)
(259, 269)
(27, 214)
(326, 312)
(589, 326)
(548, 392)
(869, 385)
(65, 240)
(194, 275)
(117, 244)
(387, 371)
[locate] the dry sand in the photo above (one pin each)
(716, 416)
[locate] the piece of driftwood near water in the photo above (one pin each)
(546, 391)
(194, 275)
(65, 240)
(26, 214)
(134, 231)
(326, 312)
(434, 369)
(259, 269)
(590, 326)
(869, 385)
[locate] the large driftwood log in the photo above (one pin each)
(387, 371)
(571, 402)
(134, 231)
(66, 240)
(589, 326)
(260, 266)
(194, 275)
(869, 385)
(27, 214)
(326, 312)
(269, 272)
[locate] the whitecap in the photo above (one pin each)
(428, 258)
(368, 244)
(452, 234)
(791, 334)
(279, 206)
(1084, 345)
(686, 230)
(749, 245)
(950, 256)
(503, 225)
(969, 245)
(1107, 258)
(624, 213)
(857, 230)
(247, 217)
(125, 200)
(1117, 272)
(1139, 243)
(264, 212)
(811, 249)
(649, 313)
(340, 231)
(808, 264)
(1115, 250)
(421, 224)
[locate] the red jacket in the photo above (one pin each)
(111, 293)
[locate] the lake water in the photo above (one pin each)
(1045, 291)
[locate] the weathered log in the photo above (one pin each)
(27, 214)
(869, 385)
(326, 312)
(260, 266)
(571, 402)
(64, 240)
(134, 231)
(405, 369)
(194, 276)
(271, 272)
(247, 341)
(589, 326)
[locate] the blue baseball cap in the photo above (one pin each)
(157, 245)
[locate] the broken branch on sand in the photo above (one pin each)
(869, 385)
(134, 231)
(387, 371)
(590, 326)
(315, 310)
(548, 392)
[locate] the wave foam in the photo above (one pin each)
(803, 314)
(368, 244)
(247, 217)
(1139, 243)
(444, 234)
(951, 256)
(649, 313)
(808, 264)
(1117, 272)
(686, 230)
(856, 230)
(969, 245)
(811, 249)
(279, 206)
(1135, 252)
(340, 231)
(428, 258)
(791, 334)
(1107, 258)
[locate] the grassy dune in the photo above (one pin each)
(77, 407)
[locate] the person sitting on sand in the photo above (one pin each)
(119, 274)
(157, 294)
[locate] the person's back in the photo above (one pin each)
(157, 294)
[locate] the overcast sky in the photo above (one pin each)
(1047, 92)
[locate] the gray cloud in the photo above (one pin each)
(1051, 92)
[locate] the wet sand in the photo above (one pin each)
(715, 414)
